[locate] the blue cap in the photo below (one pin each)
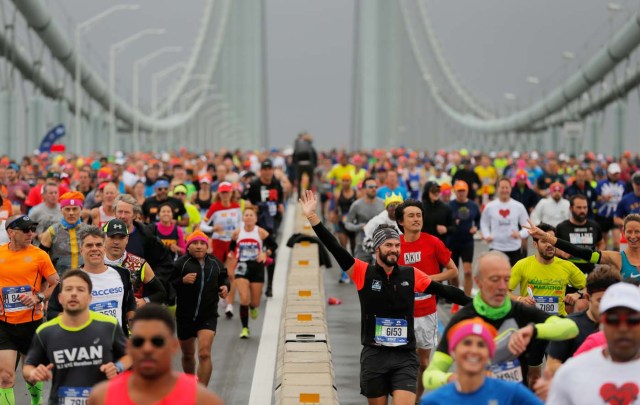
(14, 166)
(161, 184)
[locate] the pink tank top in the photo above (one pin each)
(183, 393)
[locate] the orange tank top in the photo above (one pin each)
(183, 393)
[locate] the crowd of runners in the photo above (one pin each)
(109, 265)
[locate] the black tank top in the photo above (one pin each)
(203, 204)
(345, 203)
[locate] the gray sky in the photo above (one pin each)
(493, 46)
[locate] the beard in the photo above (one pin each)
(579, 217)
(546, 256)
(390, 259)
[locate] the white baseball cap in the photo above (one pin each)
(621, 295)
(614, 168)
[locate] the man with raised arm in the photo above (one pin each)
(389, 364)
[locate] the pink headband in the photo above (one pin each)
(76, 202)
(472, 329)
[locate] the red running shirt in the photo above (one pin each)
(428, 254)
(183, 393)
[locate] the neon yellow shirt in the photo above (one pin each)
(336, 173)
(488, 177)
(548, 282)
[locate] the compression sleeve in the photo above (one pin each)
(437, 373)
(587, 255)
(344, 259)
(154, 290)
(453, 294)
(556, 328)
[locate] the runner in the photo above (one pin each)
(23, 268)
(62, 240)
(151, 206)
(102, 214)
(608, 376)
(517, 325)
(609, 192)
(438, 220)
(471, 343)
(146, 286)
(360, 213)
(143, 243)
(466, 215)
(266, 193)
(48, 212)
(78, 349)
(627, 261)
(428, 254)
(543, 280)
(389, 364)
(553, 209)
(112, 292)
(501, 221)
(222, 219)
(385, 217)
(198, 278)
(248, 260)
(151, 380)
(588, 321)
(581, 231)
(169, 233)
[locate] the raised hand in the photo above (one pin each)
(309, 203)
(534, 231)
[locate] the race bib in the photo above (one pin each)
(73, 395)
(11, 298)
(391, 332)
(241, 269)
(248, 252)
(273, 208)
(507, 371)
(106, 308)
(549, 304)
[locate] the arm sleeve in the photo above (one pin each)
(485, 224)
(223, 277)
(119, 343)
(437, 373)
(54, 308)
(155, 291)
(181, 243)
(556, 328)
(451, 224)
(587, 255)
(450, 293)
(344, 259)
(205, 227)
(36, 354)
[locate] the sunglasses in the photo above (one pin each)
(156, 341)
(616, 320)
(29, 229)
(371, 186)
(162, 188)
(180, 193)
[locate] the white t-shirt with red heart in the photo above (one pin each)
(499, 220)
(592, 378)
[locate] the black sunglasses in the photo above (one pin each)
(156, 341)
(29, 229)
(162, 188)
(180, 193)
(616, 320)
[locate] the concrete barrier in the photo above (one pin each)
(304, 371)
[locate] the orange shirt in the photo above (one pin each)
(6, 209)
(22, 272)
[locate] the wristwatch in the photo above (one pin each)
(40, 296)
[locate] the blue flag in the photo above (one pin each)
(51, 137)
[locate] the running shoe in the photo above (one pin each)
(229, 311)
(344, 278)
(245, 333)
(269, 293)
(253, 312)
